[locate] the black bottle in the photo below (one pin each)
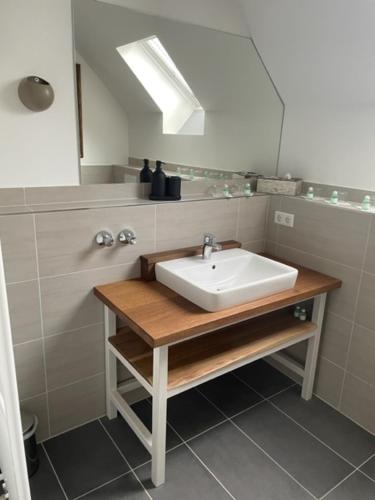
(146, 173)
(158, 188)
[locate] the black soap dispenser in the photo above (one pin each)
(146, 172)
(158, 189)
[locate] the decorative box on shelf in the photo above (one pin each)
(279, 185)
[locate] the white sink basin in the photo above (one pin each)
(228, 278)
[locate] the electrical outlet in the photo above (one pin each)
(284, 219)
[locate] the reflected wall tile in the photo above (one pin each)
(36, 195)
(12, 196)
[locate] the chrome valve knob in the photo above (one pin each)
(127, 237)
(104, 239)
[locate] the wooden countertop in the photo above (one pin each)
(161, 316)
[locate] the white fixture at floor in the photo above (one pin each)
(229, 278)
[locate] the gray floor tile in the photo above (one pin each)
(309, 461)
(263, 378)
(186, 479)
(190, 413)
(85, 458)
(244, 469)
(356, 487)
(43, 484)
(125, 488)
(369, 468)
(340, 433)
(128, 442)
(229, 394)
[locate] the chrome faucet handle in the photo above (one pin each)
(104, 239)
(127, 237)
(209, 239)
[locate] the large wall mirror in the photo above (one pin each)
(199, 99)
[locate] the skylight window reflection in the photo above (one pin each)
(160, 77)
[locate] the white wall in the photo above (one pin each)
(321, 57)
(223, 15)
(37, 148)
(105, 125)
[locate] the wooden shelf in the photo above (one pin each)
(160, 316)
(196, 358)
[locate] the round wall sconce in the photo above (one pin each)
(35, 93)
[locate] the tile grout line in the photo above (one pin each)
(58, 334)
(89, 377)
(54, 471)
(101, 485)
(202, 462)
(230, 419)
(269, 400)
(42, 327)
(71, 429)
(124, 458)
(86, 270)
(185, 442)
(310, 433)
(355, 314)
(357, 469)
(237, 231)
(273, 460)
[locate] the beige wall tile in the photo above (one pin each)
(252, 218)
(68, 301)
(183, 224)
(18, 245)
(38, 406)
(17, 209)
(30, 369)
(341, 301)
(66, 239)
(362, 354)
(358, 402)
(328, 383)
(82, 193)
(335, 339)
(75, 355)
(366, 302)
(298, 351)
(24, 308)
(370, 253)
(326, 231)
(272, 228)
(77, 403)
(254, 246)
(12, 196)
(270, 247)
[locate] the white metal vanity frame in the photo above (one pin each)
(155, 441)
